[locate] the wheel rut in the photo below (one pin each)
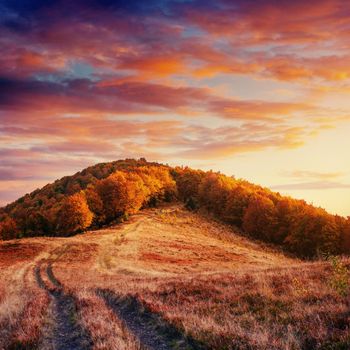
(62, 331)
(151, 329)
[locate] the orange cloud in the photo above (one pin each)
(314, 175)
(159, 66)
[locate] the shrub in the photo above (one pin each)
(340, 276)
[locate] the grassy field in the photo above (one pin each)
(167, 279)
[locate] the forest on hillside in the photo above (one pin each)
(110, 192)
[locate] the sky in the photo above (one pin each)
(255, 89)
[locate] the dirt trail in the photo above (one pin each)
(62, 331)
(153, 331)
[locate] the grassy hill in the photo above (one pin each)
(168, 278)
(110, 192)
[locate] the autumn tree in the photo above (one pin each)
(38, 223)
(95, 204)
(8, 228)
(329, 235)
(188, 182)
(345, 241)
(121, 193)
(159, 184)
(214, 191)
(112, 192)
(286, 215)
(136, 193)
(314, 232)
(74, 214)
(259, 219)
(236, 204)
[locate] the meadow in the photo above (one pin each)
(168, 278)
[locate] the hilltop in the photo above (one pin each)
(109, 192)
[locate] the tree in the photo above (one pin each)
(345, 242)
(157, 179)
(113, 194)
(314, 231)
(187, 182)
(286, 213)
(329, 235)
(74, 214)
(236, 205)
(37, 223)
(95, 204)
(121, 193)
(260, 219)
(136, 193)
(8, 228)
(214, 191)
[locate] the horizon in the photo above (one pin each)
(255, 89)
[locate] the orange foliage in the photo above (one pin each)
(260, 219)
(214, 191)
(236, 204)
(187, 182)
(121, 193)
(345, 244)
(109, 191)
(125, 192)
(95, 204)
(74, 214)
(160, 184)
(8, 228)
(265, 215)
(113, 193)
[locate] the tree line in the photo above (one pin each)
(265, 215)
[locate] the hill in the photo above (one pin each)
(110, 192)
(167, 278)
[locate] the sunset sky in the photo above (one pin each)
(255, 89)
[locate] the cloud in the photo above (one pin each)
(317, 185)
(258, 110)
(84, 95)
(90, 81)
(165, 38)
(215, 143)
(305, 174)
(267, 21)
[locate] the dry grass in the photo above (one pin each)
(193, 273)
(107, 330)
(273, 309)
(22, 304)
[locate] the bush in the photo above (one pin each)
(340, 276)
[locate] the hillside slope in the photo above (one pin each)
(109, 192)
(166, 279)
